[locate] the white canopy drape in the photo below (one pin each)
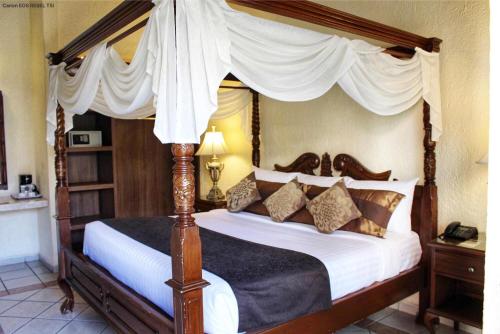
(178, 75)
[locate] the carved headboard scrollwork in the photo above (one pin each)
(305, 163)
(349, 166)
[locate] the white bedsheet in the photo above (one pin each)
(353, 261)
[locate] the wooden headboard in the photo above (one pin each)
(349, 166)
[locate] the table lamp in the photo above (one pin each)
(213, 144)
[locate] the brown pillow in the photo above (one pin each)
(265, 189)
(286, 201)
(333, 208)
(377, 207)
(243, 194)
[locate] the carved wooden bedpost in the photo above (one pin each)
(63, 209)
(255, 129)
(429, 204)
(187, 282)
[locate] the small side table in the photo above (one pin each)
(457, 282)
(203, 205)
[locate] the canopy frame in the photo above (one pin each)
(187, 282)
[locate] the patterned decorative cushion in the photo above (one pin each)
(377, 207)
(243, 194)
(333, 208)
(286, 201)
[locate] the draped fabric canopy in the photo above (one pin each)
(182, 58)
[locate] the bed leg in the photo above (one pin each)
(69, 302)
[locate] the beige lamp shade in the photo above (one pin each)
(213, 143)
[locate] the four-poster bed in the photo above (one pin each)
(128, 311)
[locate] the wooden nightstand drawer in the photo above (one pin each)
(460, 265)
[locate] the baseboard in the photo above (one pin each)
(20, 259)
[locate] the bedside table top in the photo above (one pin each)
(473, 244)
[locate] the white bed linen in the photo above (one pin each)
(353, 261)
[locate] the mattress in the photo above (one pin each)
(353, 261)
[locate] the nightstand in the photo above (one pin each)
(203, 205)
(457, 282)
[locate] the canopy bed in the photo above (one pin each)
(175, 74)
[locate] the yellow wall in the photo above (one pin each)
(22, 81)
(334, 123)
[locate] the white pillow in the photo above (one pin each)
(273, 176)
(320, 181)
(401, 218)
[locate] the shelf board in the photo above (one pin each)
(465, 309)
(78, 223)
(88, 186)
(89, 149)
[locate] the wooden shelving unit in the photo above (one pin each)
(129, 176)
(91, 173)
(89, 149)
(88, 186)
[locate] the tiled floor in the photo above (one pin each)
(20, 277)
(30, 301)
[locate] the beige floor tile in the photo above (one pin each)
(83, 327)
(19, 296)
(34, 287)
(40, 270)
(10, 267)
(382, 314)
(48, 277)
(54, 312)
(35, 264)
(89, 315)
(353, 329)
(109, 330)
(21, 282)
(6, 304)
(47, 295)
(11, 324)
(42, 326)
(27, 309)
(403, 321)
(9, 275)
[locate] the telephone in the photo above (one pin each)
(456, 231)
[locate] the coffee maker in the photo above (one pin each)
(27, 189)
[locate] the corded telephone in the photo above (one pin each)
(456, 231)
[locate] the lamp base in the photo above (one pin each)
(215, 194)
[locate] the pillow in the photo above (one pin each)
(320, 181)
(273, 176)
(243, 194)
(401, 218)
(333, 208)
(377, 207)
(286, 201)
(265, 189)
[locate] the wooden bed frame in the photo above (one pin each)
(130, 313)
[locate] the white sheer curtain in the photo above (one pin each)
(181, 73)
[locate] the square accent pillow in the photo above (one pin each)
(377, 207)
(243, 194)
(333, 208)
(285, 201)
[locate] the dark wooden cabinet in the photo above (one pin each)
(457, 282)
(203, 205)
